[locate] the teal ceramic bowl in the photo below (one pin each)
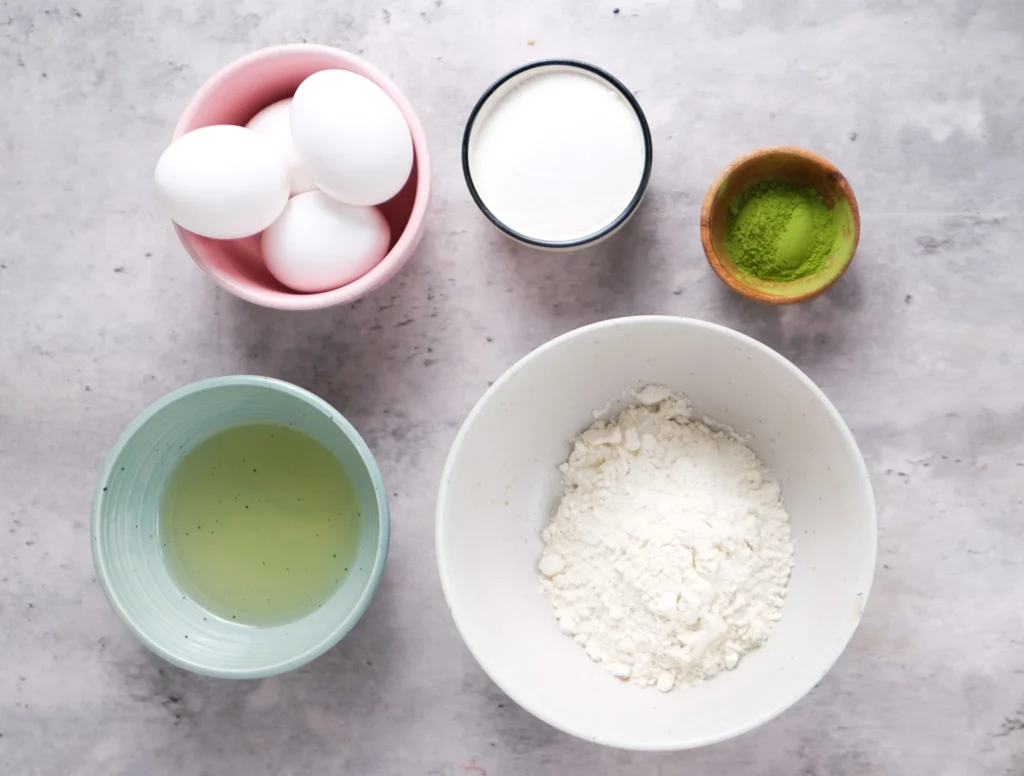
(127, 549)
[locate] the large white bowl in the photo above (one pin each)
(501, 484)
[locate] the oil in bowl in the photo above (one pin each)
(240, 527)
(259, 524)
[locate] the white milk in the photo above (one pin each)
(557, 155)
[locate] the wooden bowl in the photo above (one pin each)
(796, 166)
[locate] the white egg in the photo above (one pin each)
(223, 182)
(274, 123)
(319, 243)
(352, 137)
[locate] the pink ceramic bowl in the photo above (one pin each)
(236, 94)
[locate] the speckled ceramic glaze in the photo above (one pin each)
(126, 541)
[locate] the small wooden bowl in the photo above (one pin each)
(804, 169)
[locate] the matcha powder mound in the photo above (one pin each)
(779, 231)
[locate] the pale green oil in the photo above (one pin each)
(259, 524)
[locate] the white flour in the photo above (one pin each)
(670, 552)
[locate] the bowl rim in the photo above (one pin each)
(448, 585)
(303, 656)
(608, 228)
(711, 199)
(410, 237)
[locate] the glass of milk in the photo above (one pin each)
(557, 154)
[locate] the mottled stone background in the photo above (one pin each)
(921, 347)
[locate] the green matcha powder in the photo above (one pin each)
(779, 231)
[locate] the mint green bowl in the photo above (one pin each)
(125, 534)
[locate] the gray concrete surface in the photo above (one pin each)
(921, 347)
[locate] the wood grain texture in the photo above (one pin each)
(788, 163)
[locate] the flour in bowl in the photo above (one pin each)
(668, 557)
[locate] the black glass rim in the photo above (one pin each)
(644, 179)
